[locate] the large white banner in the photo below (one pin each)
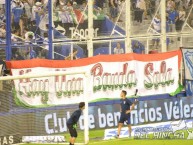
(107, 79)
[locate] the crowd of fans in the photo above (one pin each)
(176, 14)
(29, 19)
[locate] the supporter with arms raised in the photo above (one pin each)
(72, 56)
(66, 13)
(37, 11)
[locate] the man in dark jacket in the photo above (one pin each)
(72, 122)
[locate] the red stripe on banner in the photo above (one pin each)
(91, 60)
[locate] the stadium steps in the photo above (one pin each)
(187, 42)
(139, 29)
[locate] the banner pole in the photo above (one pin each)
(8, 30)
(181, 71)
(50, 36)
(86, 111)
(90, 28)
(128, 27)
(147, 43)
(110, 47)
(163, 26)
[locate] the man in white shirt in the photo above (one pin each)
(156, 25)
(118, 49)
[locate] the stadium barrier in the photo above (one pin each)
(188, 70)
(150, 74)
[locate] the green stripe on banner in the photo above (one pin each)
(110, 99)
(178, 90)
(21, 103)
